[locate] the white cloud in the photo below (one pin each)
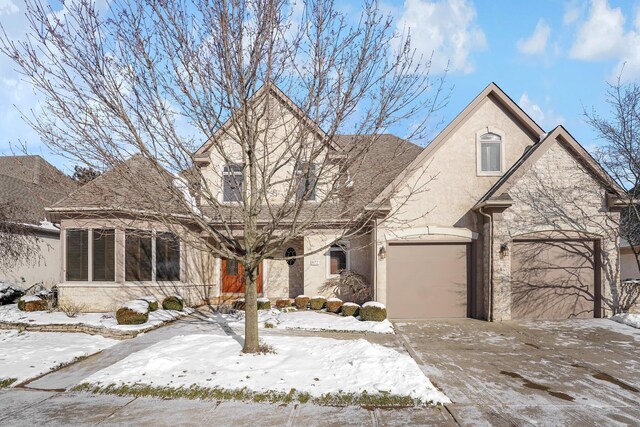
(7, 7)
(572, 12)
(446, 29)
(603, 36)
(536, 44)
(545, 118)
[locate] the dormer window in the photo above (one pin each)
(232, 179)
(490, 153)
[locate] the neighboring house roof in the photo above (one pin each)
(492, 91)
(28, 184)
(499, 191)
(136, 185)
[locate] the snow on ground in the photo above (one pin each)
(9, 313)
(26, 355)
(628, 319)
(307, 364)
(308, 320)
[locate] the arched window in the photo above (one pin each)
(490, 147)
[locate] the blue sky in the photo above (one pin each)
(552, 57)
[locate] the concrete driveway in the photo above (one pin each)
(578, 372)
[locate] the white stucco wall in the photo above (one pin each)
(44, 269)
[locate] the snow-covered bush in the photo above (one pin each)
(373, 311)
(333, 305)
(283, 302)
(317, 302)
(135, 312)
(32, 303)
(152, 301)
(264, 304)
(173, 302)
(350, 309)
(302, 301)
(9, 293)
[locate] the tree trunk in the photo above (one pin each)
(251, 342)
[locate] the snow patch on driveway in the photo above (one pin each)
(311, 365)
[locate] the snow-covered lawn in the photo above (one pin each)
(628, 319)
(10, 314)
(319, 370)
(26, 355)
(308, 321)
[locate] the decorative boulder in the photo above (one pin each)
(134, 312)
(173, 302)
(264, 304)
(32, 303)
(333, 305)
(9, 293)
(152, 301)
(373, 311)
(283, 302)
(238, 304)
(302, 301)
(317, 302)
(350, 309)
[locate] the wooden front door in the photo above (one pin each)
(233, 277)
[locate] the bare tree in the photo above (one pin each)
(267, 85)
(18, 243)
(619, 131)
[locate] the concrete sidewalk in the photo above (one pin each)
(21, 407)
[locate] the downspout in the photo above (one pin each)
(490, 311)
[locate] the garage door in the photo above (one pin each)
(427, 280)
(553, 279)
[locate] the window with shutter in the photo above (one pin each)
(104, 255)
(138, 256)
(167, 257)
(77, 255)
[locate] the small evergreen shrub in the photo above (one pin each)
(173, 302)
(264, 304)
(350, 309)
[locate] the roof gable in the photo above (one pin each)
(282, 99)
(499, 191)
(493, 92)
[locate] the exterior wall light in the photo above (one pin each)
(382, 253)
(504, 250)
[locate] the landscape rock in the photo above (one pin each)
(334, 305)
(317, 302)
(350, 309)
(373, 311)
(32, 303)
(302, 301)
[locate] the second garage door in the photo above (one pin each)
(553, 279)
(427, 280)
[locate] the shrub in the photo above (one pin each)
(373, 311)
(71, 309)
(350, 309)
(134, 312)
(349, 286)
(32, 303)
(9, 293)
(264, 304)
(302, 301)
(238, 304)
(152, 301)
(283, 302)
(317, 303)
(333, 305)
(173, 302)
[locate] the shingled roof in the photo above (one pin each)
(28, 184)
(137, 184)
(387, 156)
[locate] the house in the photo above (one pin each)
(513, 223)
(27, 185)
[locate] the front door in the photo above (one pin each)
(233, 277)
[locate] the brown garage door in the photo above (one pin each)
(553, 279)
(427, 280)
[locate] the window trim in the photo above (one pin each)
(480, 133)
(347, 250)
(223, 174)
